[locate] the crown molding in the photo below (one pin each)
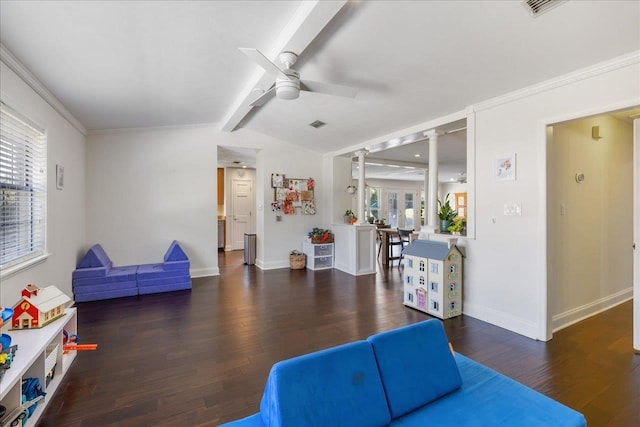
(567, 79)
(35, 84)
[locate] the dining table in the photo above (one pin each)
(386, 234)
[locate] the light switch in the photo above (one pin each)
(512, 209)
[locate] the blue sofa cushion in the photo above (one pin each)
(488, 399)
(416, 365)
(336, 387)
(254, 420)
(175, 253)
(95, 257)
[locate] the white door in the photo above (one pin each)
(241, 211)
(401, 209)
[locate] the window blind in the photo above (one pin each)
(23, 188)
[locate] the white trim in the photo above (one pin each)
(502, 319)
(575, 315)
(544, 323)
(421, 127)
(7, 272)
(204, 272)
(26, 75)
(116, 131)
(636, 235)
(567, 79)
(272, 265)
(544, 313)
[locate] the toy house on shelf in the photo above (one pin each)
(38, 307)
(433, 278)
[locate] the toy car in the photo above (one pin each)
(16, 416)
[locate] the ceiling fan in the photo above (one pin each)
(288, 84)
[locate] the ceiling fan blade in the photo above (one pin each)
(329, 89)
(262, 99)
(264, 62)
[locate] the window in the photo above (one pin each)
(23, 188)
(372, 203)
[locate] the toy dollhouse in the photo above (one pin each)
(433, 278)
(38, 307)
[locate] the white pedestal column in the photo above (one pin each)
(425, 220)
(361, 187)
(432, 206)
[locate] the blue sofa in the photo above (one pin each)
(407, 377)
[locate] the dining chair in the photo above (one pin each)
(404, 236)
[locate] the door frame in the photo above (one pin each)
(232, 174)
(416, 207)
(545, 322)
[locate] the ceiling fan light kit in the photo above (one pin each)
(287, 84)
(288, 88)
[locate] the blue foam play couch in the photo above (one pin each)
(407, 377)
(95, 278)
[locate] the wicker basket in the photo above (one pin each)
(297, 262)
(318, 239)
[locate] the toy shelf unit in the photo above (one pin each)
(39, 355)
(319, 255)
(432, 278)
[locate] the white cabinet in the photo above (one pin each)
(319, 256)
(39, 351)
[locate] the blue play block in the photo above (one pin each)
(95, 257)
(175, 253)
(114, 293)
(155, 289)
(104, 287)
(117, 274)
(81, 273)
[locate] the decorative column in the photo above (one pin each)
(432, 212)
(361, 186)
(426, 195)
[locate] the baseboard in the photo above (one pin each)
(272, 265)
(575, 315)
(204, 272)
(502, 320)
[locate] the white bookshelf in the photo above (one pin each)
(30, 361)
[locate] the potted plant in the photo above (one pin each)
(458, 225)
(446, 214)
(349, 217)
(320, 235)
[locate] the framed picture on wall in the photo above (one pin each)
(277, 180)
(504, 168)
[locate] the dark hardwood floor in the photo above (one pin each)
(200, 357)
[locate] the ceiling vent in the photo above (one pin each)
(538, 7)
(317, 124)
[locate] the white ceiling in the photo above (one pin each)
(136, 64)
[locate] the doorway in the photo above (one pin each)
(242, 216)
(401, 209)
(590, 217)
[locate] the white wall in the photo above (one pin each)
(275, 240)
(590, 223)
(147, 188)
(505, 270)
(65, 208)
